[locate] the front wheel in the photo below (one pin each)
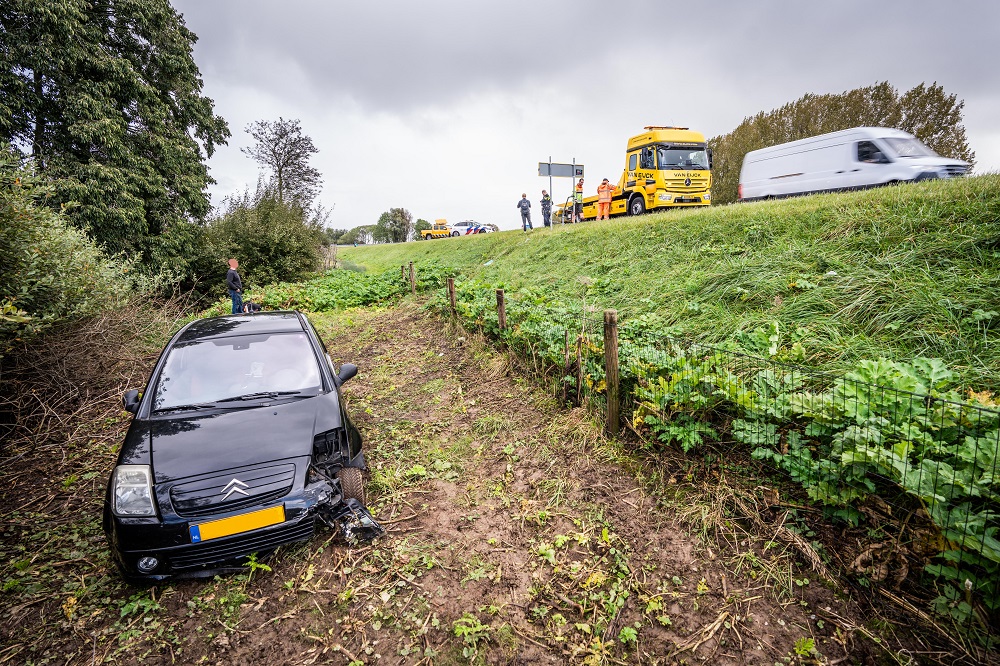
(352, 486)
(637, 206)
(455, 233)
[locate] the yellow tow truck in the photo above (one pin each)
(665, 167)
(440, 229)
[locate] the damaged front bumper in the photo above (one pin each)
(158, 548)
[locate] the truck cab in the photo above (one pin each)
(665, 167)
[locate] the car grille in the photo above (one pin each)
(954, 170)
(205, 496)
(206, 554)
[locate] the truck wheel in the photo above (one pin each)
(455, 233)
(637, 206)
(352, 486)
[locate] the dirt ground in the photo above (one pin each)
(516, 534)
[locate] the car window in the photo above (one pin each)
(210, 370)
(868, 152)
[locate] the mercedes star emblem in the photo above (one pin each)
(687, 182)
(234, 487)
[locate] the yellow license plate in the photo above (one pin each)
(236, 524)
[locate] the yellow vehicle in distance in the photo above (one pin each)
(440, 229)
(665, 167)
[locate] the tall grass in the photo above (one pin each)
(894, 273)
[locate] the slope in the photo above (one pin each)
(892, 273)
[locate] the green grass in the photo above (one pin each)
(891, 273)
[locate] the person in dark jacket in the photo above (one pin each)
(235, 285)
(525, 207)
(546, 209)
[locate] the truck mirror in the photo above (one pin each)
(709, 151)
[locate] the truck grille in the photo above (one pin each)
(676, 184)
(208, 495)
(207, 554)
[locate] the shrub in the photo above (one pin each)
(50, 270)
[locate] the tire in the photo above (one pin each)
(637, 206)
(455, 234)
(352, 485)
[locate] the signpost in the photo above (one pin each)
(557, 170)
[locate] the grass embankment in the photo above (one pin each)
(891, 273)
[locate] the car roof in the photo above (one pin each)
(242, 324)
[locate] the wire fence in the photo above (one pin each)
(903, 470)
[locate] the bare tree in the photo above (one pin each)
(285, 150)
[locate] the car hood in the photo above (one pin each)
(183, 446)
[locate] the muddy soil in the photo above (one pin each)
(516, 534)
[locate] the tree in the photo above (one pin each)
(419, 226)
(361, 235)
(333, 236)
(274, 240)
(50, 271)
(106, 97)
(927, 112)
(283, 149)
(394, 226)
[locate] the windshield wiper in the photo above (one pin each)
(179, 408)
(259, 395)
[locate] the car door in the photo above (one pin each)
(868, 166)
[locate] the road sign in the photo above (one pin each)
(560, 170)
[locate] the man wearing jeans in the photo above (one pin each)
(525, 207)
(235, 285)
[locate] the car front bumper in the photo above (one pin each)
(168, 539)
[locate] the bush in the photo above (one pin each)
(50, 270)
(274, 241)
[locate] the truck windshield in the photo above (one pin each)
(905, 147)
(681, 158)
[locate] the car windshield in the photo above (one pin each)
(907, 147)
(681, 158)
(207, 371)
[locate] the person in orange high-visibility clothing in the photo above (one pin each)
(604, 191)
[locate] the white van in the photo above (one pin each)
(850, 159)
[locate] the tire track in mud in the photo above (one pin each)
(514, 534)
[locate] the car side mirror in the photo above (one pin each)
(347, 370)
(130, 401)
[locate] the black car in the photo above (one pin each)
(239, 444)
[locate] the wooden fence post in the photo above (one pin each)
(451, 296)
(579, 370)
(501, 310)
(611, 371)
(565, 386)
(413, 280)
(402, 273)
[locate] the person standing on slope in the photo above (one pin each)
(578, 202)
(604, 191)
(235, 285)
(525, 207)
(546, 209)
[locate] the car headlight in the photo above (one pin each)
(132, 491)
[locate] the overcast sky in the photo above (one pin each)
(445, 108)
